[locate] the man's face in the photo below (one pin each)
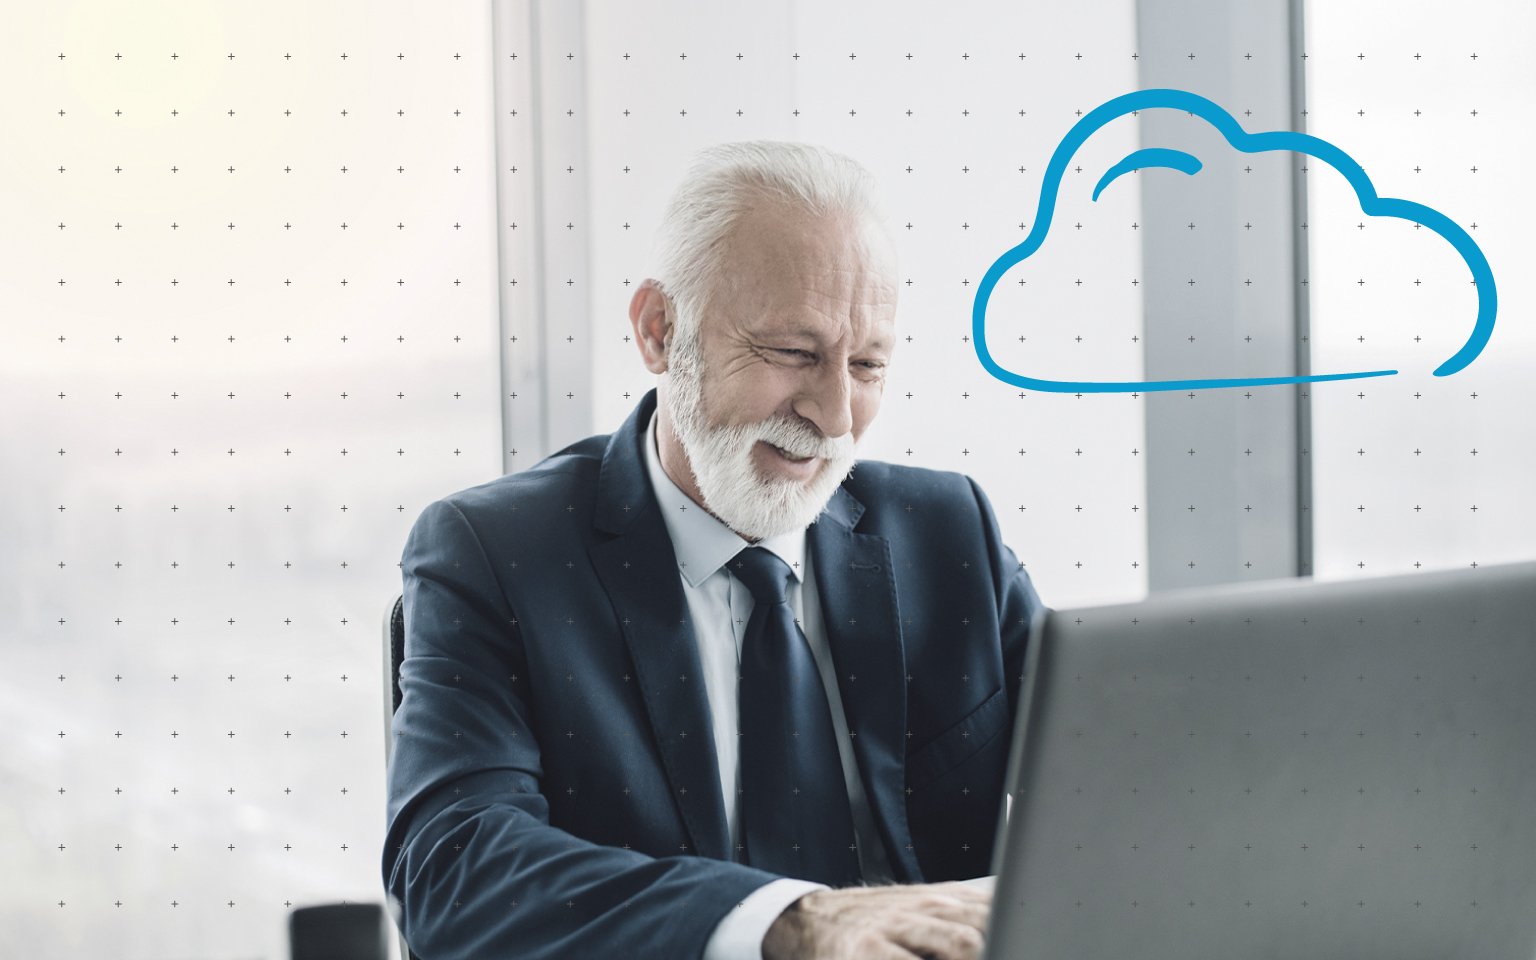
(788, 369)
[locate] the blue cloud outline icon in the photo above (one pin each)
(1245, 142)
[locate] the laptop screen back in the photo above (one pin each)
(1285, 769)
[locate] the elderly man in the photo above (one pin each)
(703, 688)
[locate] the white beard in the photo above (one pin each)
(721, 458)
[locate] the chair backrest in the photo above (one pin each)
(394, 652)
(338, 931)
(394, 637)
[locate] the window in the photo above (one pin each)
(1415, 471)
(250, 332)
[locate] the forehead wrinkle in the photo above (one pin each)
(839, 327)
(787, 270)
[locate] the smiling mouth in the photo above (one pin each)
(787, 455)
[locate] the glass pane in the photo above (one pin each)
(249, 332)
(1416, 471)
(957, 124)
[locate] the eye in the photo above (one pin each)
(797, 354)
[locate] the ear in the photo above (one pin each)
(650, 313)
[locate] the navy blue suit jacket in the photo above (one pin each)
(553, 790)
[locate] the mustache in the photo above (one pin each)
(798, 438)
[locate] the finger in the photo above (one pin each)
(961, 890)
(939, 939)
(969, 886)
(934, 901)
(870, 943)
(940, 901)
(967, 910)
(973, 915)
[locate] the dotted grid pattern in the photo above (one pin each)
(957, 126)
(339, 615)
(250, 331)
(1413, 472)
(935, 116)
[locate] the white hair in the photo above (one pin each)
(725, 182)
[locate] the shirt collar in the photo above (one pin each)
(702, 543)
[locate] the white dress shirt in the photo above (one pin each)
(719, 606)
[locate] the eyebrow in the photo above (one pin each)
(810, 334)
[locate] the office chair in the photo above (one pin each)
(394, 652)
(338, 931)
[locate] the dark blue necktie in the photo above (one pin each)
(795, 818)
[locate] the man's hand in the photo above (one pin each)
(945, 921)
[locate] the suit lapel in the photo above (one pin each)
(856, 586)
(638, 568)
(857, 589)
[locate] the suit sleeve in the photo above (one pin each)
(469, 853)
(1017, 602)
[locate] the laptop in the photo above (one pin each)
(1286, 769)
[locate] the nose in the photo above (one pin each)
(827, 400)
